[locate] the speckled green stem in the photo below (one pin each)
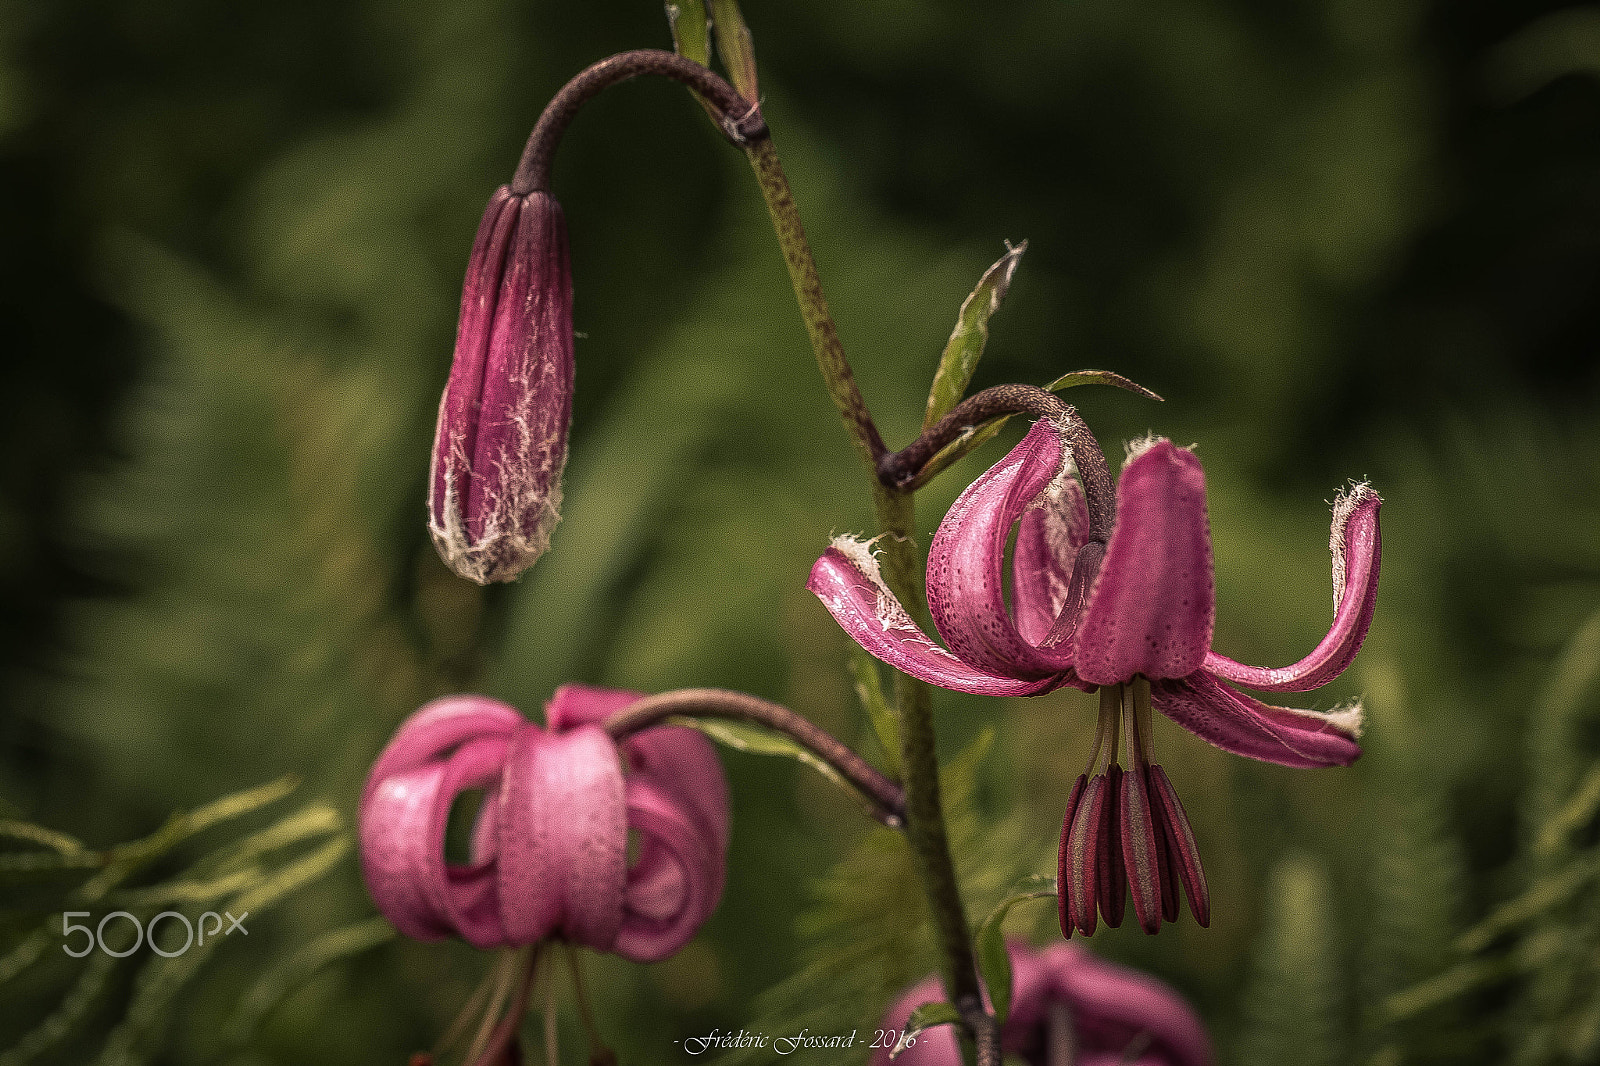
(925, 825)
(813, 305)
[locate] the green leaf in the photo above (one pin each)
(61, 1022)
(965, 346)
(690, 30)
(1295, 1001)
(1099, 377)
(742, 736)
(970, 440)
(736, 47)
(1543, 896)
(885, 722)
(300, 967)
(925, 1017)
(40, 835)
(994, 961)
(160, 981)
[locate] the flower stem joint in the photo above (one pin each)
(501, 441)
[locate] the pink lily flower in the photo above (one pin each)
(1105, 1014)
(501, 441)
(549, 855)
(1132, 618)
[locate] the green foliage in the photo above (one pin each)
(1295, 1003)
(994, 960)
(965, 346)
(244, 875)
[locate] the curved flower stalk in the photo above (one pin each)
(1069, 1007)
(549, 854)
(1131, 617)
(501, 441)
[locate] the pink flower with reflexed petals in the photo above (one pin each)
(501, 441)
(1131, 617)
(1108, 1014)
(549, 853)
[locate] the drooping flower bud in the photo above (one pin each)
(501, 442)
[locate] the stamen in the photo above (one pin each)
(1081, 860)
(1179, 838)
(1113, 878)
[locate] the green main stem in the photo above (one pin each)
(925, 824)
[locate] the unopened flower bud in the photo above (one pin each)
(501, 442)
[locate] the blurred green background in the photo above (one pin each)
(1344, 239)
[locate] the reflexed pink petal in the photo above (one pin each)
(466, 895)
(1152, 609)
(395, 850)
(1234, 722)
(1356, 552)
(1113, 1004)
(680, 762)
(437, 727)
(1109, 1004)
(966, 583)
(673, 887)
(683, 765)
(1048, 539)
(563, 844)
(850, 587)
(573, 705)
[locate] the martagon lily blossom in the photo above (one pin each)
(1068, 1006)
(549, 853)
(1131, 617)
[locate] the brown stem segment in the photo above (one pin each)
(740, 119)
(898, 469)
(888, 802)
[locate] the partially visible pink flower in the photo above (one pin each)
(549, 852)
(1113, 1016)
(501, 441)
(1131, 617)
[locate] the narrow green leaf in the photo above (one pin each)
(60, 1023)
(965, 346)
(1447, 986)
(885, 722)
(1542, 896)
(994, 961)
(1578, 812)
(958, 778)
(300, 967)
(735, 46)
(1099, 377)
(742, 736)
(38, 834)
(925, 1017)
(160, 981)
(956, 450)
(691, 36)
